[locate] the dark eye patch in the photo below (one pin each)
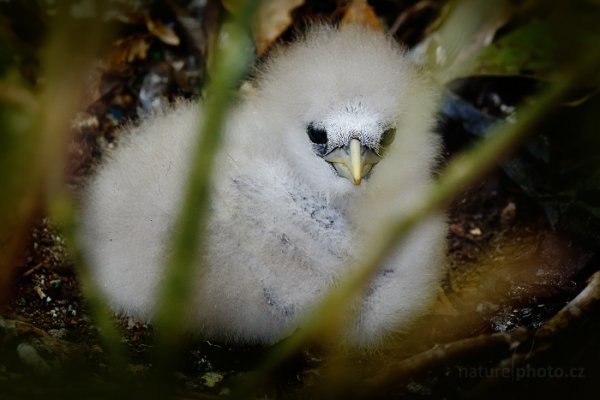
(387, 138)
(316, 135)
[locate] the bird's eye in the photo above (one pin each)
(316, 135)
(388, 137)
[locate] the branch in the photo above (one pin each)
(505, 342)
(588, 299)
(445, 354)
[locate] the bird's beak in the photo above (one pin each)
(353, 161)
(356, 166)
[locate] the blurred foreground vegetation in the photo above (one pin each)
(522, 74)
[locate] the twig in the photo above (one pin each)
(403, 17)
(444, 354)
(581, 305)
(32, 270)
(506, 342)
(588, 299)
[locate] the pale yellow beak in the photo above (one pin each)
(356, 166)
(353, 161)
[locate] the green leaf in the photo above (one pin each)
(539, 41)
(526, 51)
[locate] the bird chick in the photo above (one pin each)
(336, 138)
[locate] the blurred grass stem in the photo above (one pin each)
(67, 60)
(463, 171)
(230, 65)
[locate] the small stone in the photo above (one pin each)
(29, 356)
(417, 388)
(59, 333)
(475, 231)
(210, 379)
(508, 213)
(40, 292)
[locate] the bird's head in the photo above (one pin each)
(341, 101)
(352, 141)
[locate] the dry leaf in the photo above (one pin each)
(161, 31)
(272, 19)
(360, 12)
(463, 29)
(129, 49)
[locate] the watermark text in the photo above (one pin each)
(522, 372)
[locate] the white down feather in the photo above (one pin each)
(284, 226)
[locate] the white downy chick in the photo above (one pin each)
(336, 139)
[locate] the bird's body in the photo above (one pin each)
(298, 195)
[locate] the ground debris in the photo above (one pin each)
(26, 348)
